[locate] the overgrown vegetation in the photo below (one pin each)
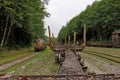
(109, 51)
(41, 64)
(6, 56)
(21, 21)
(101, 19)
(98, 64)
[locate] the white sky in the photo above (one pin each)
(62, 11)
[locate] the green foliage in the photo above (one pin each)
(101, 19)
(22, 20)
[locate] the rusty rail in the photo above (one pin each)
(102, 55)
(66, 77)
(66, 71)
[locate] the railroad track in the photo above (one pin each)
(70, 68)
(70, 65)
(15, 62)
(64, 77)
(103, 55)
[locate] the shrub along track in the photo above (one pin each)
(103, 55)
(16, 61)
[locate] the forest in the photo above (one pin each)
(101, 19)
(21, 21)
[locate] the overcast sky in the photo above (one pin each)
(61, 11)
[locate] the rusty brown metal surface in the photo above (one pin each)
(66, 77)
(71, 64)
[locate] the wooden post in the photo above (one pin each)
(69, 39)
(84, 36)
(74, 38)
(49, 36)
(53, 41)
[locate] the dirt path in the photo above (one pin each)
(15, 62)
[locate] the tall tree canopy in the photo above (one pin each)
(21, 21)
(101, 19)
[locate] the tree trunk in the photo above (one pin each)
(8, 34)
(93, 34)
(100, 37)
(5, 32)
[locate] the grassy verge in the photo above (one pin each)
(41, 64)
(110, 51)
(111, 58)
(6, 56)
(98, 64)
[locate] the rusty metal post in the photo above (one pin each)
(84, 36)
(49, 36)
(74, 38)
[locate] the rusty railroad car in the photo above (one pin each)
(40, 45)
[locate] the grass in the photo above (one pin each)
(111, 51)
(94, 63)
(41, 64)
(98, 64)
(6, 56)
(112, 58)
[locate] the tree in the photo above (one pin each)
(101, 19)
(21, 21)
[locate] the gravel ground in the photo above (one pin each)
(99, 65)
